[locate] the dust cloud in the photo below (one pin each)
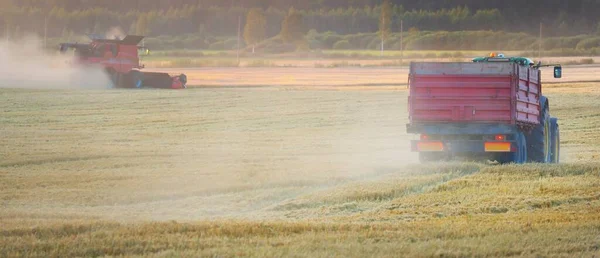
(115, 33)
(268, 150)
(24, 64)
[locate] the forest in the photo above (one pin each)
(210, 21)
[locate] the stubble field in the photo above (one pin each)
(279, 171)
(342, 78)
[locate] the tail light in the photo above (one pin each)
(500, 137)
(424, 137)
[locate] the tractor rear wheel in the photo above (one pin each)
(555, 145)
(539, 139)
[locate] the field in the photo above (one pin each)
(332, 58)
(348, 77)
(290, 170)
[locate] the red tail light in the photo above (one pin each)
(500, 138)
(424, 137)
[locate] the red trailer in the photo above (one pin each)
(492, 109)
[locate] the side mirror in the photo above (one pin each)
(558, 72)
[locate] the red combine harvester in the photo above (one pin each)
(489, 109)
(120, 59)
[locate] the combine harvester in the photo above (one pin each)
(120, 60)
(489, 109)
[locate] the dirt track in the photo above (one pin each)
(355, 77)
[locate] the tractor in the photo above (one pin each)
(490, 109)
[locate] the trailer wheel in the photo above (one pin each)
(539, 139)
(518, 157)
(522, 155)
(555, 143)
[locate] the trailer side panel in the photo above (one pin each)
(501, 93)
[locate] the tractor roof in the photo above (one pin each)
(518, 60)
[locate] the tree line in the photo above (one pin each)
(220, 18)
(210, 24)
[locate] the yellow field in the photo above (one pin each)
(279, 171)
(361, 78)
(328, 59)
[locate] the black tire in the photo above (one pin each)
(183, 80)
(518, 157)
(522, 155)
(555, 144)
(539, 139)
(134, 79)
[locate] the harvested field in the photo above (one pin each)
(279, 171)
(355, 77)
(391, 59)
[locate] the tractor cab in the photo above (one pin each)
(84, 51)
(104, 49)
(118, 55)
(493, 57)
(523, 61)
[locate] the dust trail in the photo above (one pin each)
(115, 33)
(24, 64)
(285, 146)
